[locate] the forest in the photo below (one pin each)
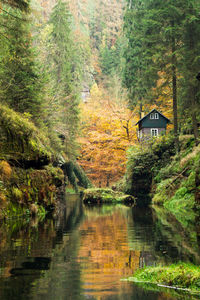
(77, 80)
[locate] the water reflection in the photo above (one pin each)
(104, 253)
(84, 254)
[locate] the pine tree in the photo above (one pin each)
(153, 47)
(20, 79)
(62, 68)
(110, 58)
(190, 62)
(140, 74)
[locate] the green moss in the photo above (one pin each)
(16, 193)
(144, 163)
(175, 185)
(23, 147)
(177, 194)
(21, 137)
(14, 210)
(30, 190)
(106, 195)
(182, 275)
(70, 190)
(182, 206)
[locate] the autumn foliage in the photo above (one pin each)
(108, 130)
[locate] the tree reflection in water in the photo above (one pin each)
(84, 254)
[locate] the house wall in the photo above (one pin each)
(145, 132)
(154, 123)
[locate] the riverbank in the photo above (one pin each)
(33, 168)
(171, 180)
(173, 183)
(180, 276)
(177, 186)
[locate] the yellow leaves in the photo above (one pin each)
(108, 130)
(95, 91)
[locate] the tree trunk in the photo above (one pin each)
(195, 127)
(108, 181)
(140, 112)
(174, 89)
(193, 90)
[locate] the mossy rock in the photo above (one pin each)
(21, 141)
(105, 195)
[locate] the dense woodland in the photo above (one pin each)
(75, 78)
(79, 74)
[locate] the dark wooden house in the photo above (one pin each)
(151, 125)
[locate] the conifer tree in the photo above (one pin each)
(20, 79)
(153, 46)
(190, 61)
(23, 5)
(62, 67)
(140, 74)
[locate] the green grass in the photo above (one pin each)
(181, 275)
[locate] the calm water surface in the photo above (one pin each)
(84, 254)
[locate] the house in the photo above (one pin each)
(152, 124)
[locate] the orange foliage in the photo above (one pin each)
(108, 130)
(5, 170)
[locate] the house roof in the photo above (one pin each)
(150, 113)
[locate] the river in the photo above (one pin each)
(85, 253)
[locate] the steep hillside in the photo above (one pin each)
(171, 180)
(33, 168)
(28, 181)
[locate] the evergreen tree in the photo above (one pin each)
(140, 74)
(110, 58)
(62, 67)
(20, 79)
(153, 47)
(190, 61)
(23, 5)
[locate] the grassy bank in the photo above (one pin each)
(176, 187)
(171, 179)
(183, 276)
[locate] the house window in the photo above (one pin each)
(151, 116)
(154, 116)
(154, 132)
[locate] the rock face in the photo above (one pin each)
(139, 178)
(143, 165)
(100, 195)
(29, 182)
